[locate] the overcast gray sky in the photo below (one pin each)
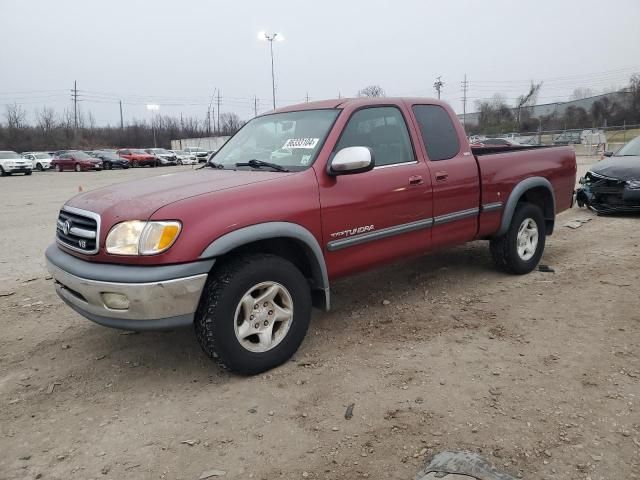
(176, 53)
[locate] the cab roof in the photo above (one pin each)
(356, 102)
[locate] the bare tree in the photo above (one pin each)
(230, 123)
(16, 116)
(46, 120)
(372, 91)
(580, 93)
(527, 100)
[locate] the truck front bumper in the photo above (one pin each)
(129, 296)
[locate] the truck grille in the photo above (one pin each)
(78, 230)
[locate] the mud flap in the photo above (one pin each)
(461, 463)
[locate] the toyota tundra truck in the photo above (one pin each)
(243, 248)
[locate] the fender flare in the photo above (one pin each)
(516, 194)
(267, 230)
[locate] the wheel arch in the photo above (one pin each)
(535, 190)
(288, 240)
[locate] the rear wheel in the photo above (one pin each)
(179, 162)
(520, 249)
(77, 168)
(58, 167)
(39, 167)
(254, 313)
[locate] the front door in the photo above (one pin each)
(383, 214)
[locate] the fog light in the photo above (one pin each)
(115, 301)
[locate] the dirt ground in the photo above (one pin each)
(540, 373)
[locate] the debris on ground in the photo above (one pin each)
(349, 413)
(7, 294)
(461, 463)
(212, 473)
(577, 222)
(545, 269)
(52, 387)
(191, 443)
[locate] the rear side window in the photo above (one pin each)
(383, 130)
(438, 132)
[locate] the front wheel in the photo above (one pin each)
(254, 313)
(2, 172)
(520, 249)
(28, 172)
(77, 168)
(58, 168)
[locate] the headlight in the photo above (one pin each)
(633, 184)
(142, 238)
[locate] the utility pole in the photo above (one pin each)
(465, 87)
(307, 98)
(438, 86)
(218, 110)
(74, 97)
(121, 117)
(271, 37)
(255, 106)
(209, 121)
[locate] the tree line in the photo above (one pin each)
(52, 131)
(496, 116)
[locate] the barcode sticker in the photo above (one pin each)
(301, 143)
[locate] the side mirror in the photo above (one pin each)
(351, 160)
(608, 154)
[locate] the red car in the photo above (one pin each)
(75, 160)
(138, 157)
(298, 198)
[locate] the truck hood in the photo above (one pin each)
(138, 199)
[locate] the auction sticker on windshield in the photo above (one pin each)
(301, 143)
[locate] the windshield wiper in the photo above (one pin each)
(211, 164)
(253, 163)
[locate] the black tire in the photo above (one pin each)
(77, 168)
(215, 316)
(39, 167)
(504, 249)
(108, 166)
(58, 168)
(179, 162)
(28, 172)
(2, 172)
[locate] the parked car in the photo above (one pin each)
(495, 142)
(165, 157)
(39, 160)
(185, 158)
(567, 138)
(75, 160)
(613, 184)
(242, 250)
(138, 157)
(12, 162)
(200, 153)
(111, 160)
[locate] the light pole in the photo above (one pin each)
(270, 37)
(153, 108)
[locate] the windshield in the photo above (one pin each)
(631, 148)
(81, 156)
(5, 155)
(290, 140)
(42, 155)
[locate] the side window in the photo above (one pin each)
(383, 130)
(438, 132)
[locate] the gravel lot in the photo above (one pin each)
(539, 373)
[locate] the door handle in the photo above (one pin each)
(416, 180)
(441, 176)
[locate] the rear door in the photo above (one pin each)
(383, 214)
(454, 175)
(65, 161)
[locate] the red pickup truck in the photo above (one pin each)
(242, 249)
